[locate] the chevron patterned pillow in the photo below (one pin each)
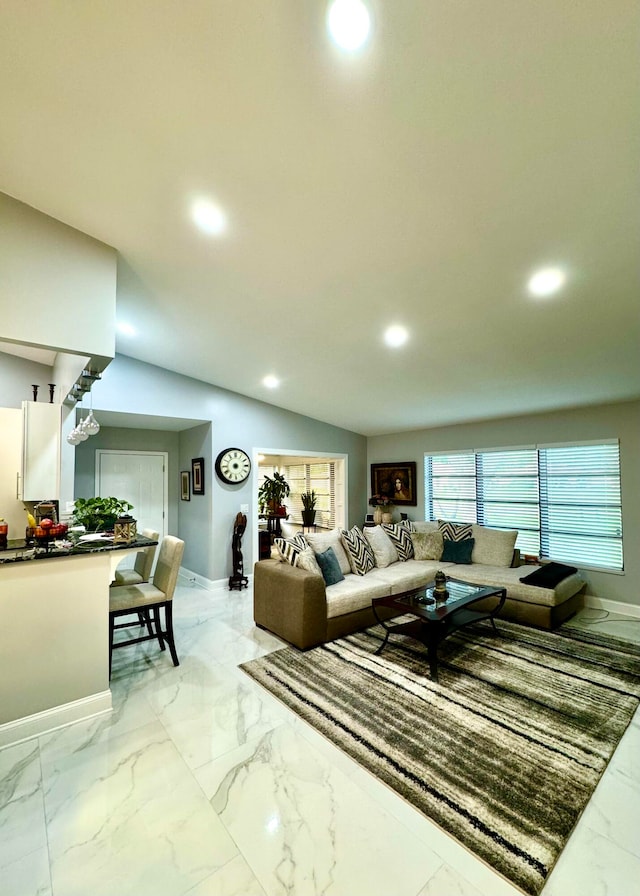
(401, 539)
(290, 548)
(358, 551)
(454, 531)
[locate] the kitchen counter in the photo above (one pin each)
(20, 550)
(54, 634)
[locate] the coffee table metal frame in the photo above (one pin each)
(436, 618)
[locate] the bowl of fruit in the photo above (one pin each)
(45, 531)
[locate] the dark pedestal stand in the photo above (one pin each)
(238, 579)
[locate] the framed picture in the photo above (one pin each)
(197, 475)
(185, 485)
(396, 481)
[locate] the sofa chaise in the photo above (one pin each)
(296, 599)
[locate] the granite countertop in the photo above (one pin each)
(19, 551)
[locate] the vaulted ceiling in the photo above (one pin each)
(420, 182)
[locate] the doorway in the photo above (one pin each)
(326, 474)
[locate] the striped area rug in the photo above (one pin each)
(503, 753)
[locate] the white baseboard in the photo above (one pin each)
(57, 717)
(192, 578)
(613, 606)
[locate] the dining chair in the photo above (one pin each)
(141, 571)
(150, 598)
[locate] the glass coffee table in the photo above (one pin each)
(436, 618)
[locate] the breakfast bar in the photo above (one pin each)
(54, 651)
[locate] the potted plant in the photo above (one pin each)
(99, 514)
(309, 500)
(271, 493)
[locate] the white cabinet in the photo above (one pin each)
(40, 451)
(11, 508)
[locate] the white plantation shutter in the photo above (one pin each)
(295, 475)
(317, 477)
(564, 500)
(265, 471)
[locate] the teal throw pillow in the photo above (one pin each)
(458, 551)
(329, 566)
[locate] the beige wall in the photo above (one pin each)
(615, 421)
(57, 285)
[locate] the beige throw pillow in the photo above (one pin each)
(427, 545)
(307, 560)
(425, 526)
(493, 547)
(383, 549)
(320, 541)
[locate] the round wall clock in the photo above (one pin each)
(233, 465)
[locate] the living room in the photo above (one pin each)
(420, 183)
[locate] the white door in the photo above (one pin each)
(139, 477)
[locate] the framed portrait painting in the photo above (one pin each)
(396, 482)
(185, 485)
(197, 475)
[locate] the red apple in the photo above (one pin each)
(46, 523)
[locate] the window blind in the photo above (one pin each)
(317, 477)
(565, 501)
(581, 503)
(507, 490)
(450, 487)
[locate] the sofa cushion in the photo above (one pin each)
(549, 575)
(401, 539)
(355, 592)
(320, 541)
(493, 547)
(427, 545)
(413, 574)
(509, 578)
(307, 560)
(358, 551)
(458, 551)
(329, 567)
(454, 531)
(383, 548)
(289, 548)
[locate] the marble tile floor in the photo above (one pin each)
(200, 783)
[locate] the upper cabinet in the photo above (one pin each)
(40, 451)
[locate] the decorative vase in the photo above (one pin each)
(387, 516)
(377, 515)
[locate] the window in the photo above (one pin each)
(319, 477)
(563, 500)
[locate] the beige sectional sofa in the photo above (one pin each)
(296, 604)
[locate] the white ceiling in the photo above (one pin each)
(420, 182)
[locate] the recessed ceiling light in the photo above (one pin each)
(349, 24)
(125, 328)
(396, 336)
(546, 281)
(271, 382)
(209, 217)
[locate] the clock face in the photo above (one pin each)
(233, 465)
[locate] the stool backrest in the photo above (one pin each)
(144, 559)
(168, 565)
